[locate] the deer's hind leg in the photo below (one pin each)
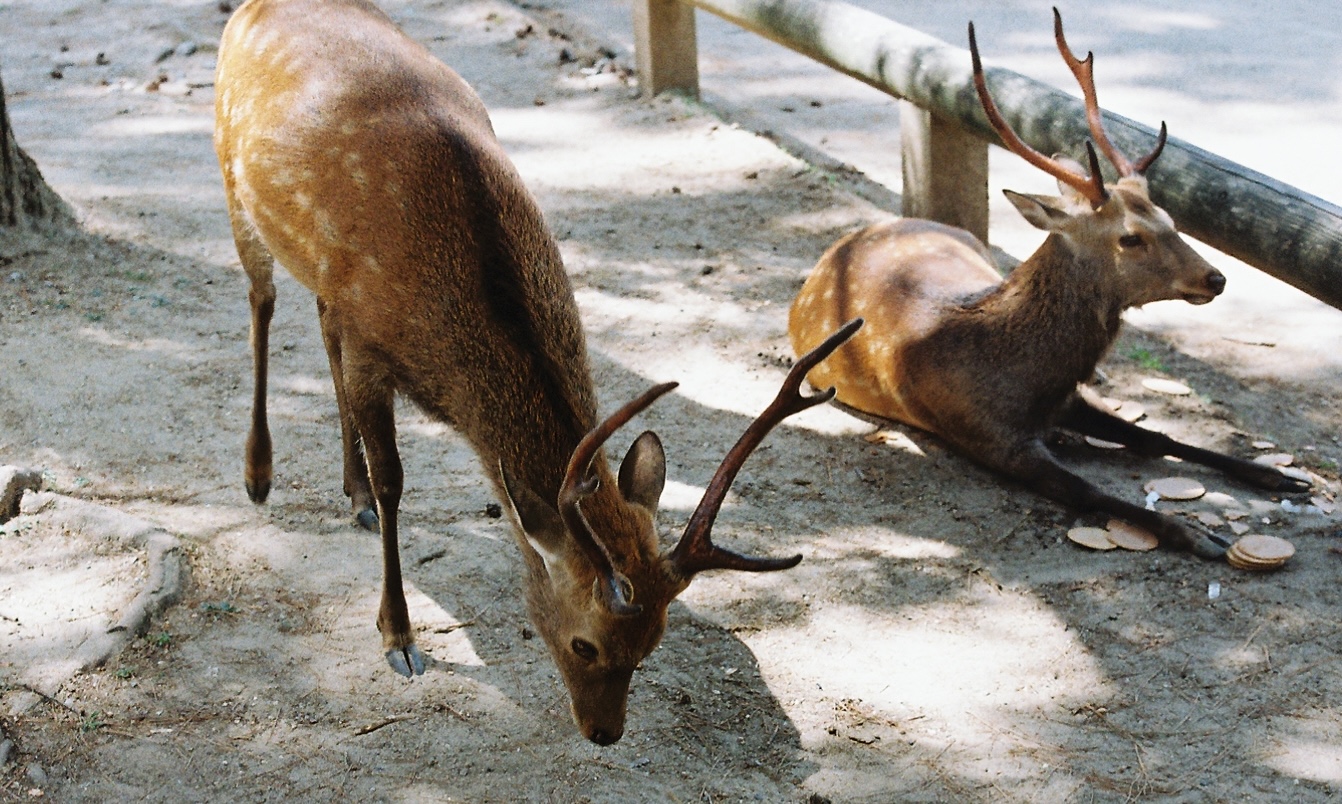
(1086, 418)
(356, 466)
(259, 265)
(1032, 464)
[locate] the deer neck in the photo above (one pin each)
(1065, 305)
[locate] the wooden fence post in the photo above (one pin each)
(945, 171)
(665, 47)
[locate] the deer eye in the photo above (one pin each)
(585, 650)
(1130, 241)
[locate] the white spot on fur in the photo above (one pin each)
(326, 225)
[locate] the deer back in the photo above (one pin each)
(372, 173)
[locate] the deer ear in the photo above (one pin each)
(1042, 211)
(540, 522)
(643, 472)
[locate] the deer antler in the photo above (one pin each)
(1084, 70)
(696, 552)
(1145, 162)
(615, 590)
(1091, 187)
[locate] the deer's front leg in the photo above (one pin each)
(370, 395)
(1036, 467)
(1085, 418)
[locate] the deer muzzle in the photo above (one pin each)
(1212, 284)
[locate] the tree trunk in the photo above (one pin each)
(25, 198)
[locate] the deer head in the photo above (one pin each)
(1116, 223)
(600, 602)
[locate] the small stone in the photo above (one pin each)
(36, 775)
(6, 752)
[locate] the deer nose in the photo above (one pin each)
(1216, 282)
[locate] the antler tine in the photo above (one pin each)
(1092, 158)
(696, 552)
(1145, 162)
(1084, 70)
(615, 589)
(1092, 187)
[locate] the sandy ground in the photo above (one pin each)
(941, 641)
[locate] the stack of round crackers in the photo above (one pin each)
(1259, 553)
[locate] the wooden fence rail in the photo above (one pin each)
(1281, 230)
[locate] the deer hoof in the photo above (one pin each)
(1210, 546)
(1273, 479)
(1292, 485)
(367, 519)
(407, 661)
(258, 490)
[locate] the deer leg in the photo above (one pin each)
(258, 263)
(356, 484)
(1037, 468)
(1083, 417)
(370, 396)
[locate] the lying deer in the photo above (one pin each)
(993, 365)
(370, 170)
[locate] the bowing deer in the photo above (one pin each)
(994, 365)
(370, 171)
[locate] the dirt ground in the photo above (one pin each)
(941, 641)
